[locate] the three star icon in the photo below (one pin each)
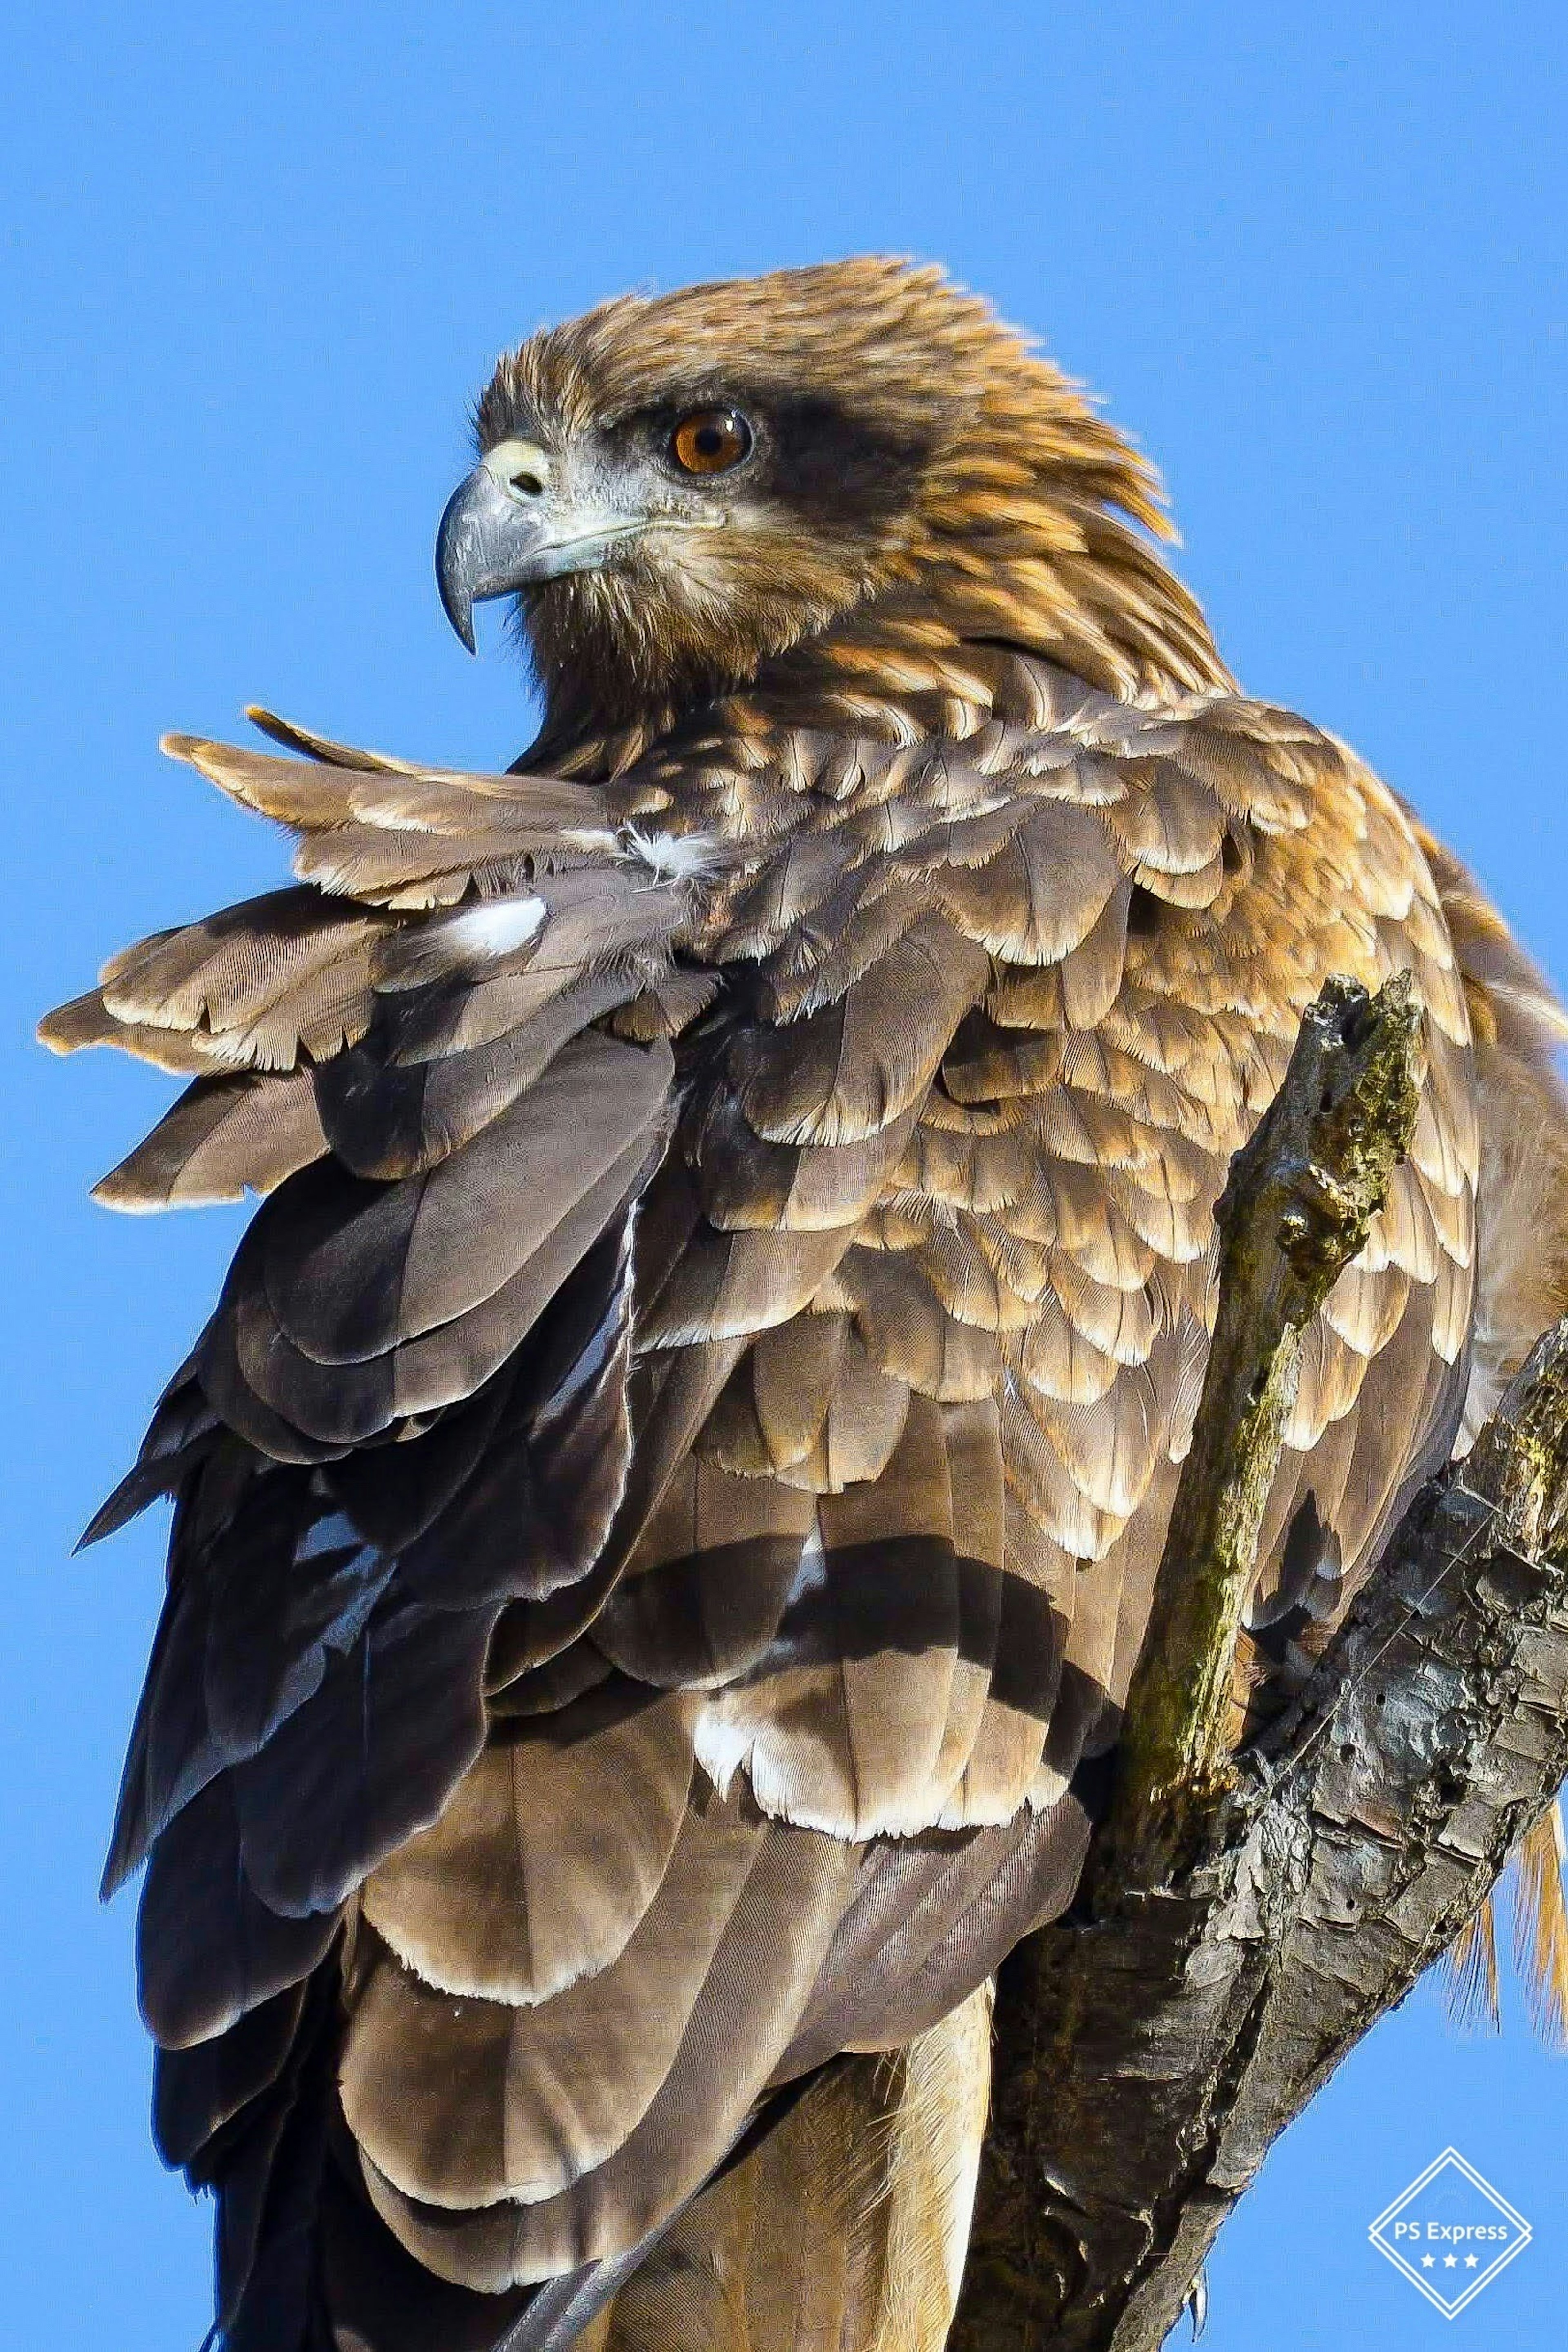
(1451, 2238)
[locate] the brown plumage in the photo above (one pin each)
(667, 1503)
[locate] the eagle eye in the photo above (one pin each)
(710, 441)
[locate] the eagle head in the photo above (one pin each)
(679, 488)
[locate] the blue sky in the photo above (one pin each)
(254, 265)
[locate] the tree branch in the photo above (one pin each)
(1300, 1197)
(1147, 2057)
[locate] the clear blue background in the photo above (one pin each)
(255, 263)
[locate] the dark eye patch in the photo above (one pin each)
(824, 460)
(817, 457)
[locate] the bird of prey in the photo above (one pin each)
(666, 1505)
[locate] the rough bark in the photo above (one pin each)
(1300, 1197)
(1244, 1927)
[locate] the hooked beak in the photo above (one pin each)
(508, 525)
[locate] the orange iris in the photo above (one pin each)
(711, 441)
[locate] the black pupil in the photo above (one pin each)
(712, 440)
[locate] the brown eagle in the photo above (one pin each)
(666, 1505)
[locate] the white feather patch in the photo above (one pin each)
(673, 858)
(495, 927)
(721, 1748)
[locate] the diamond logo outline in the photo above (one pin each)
(1524, 2233)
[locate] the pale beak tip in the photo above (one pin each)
(462, 619)
(456, 596)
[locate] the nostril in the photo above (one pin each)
(530, 485)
